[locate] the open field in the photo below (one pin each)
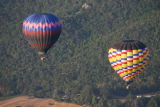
(26, 101)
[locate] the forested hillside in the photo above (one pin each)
(77, 68)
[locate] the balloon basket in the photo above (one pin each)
(128, 87)
(43, 58)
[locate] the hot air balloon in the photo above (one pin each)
(128, 58)
(41, 31)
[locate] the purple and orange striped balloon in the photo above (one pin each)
(42, 31)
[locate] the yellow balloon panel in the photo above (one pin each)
(128, 63)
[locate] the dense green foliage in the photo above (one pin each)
(77, 69)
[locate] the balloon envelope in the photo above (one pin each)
(128, 58)
(42, 31)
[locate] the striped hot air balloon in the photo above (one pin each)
(41, 31)
(128, 58)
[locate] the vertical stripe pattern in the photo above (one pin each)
(41, 31)
(128, 63)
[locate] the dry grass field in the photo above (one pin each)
(26, 101)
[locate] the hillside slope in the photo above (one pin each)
(77, 67)
(26, 101)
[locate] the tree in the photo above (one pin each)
(94, 100)
(86, 94)
(152, 103)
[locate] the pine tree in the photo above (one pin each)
(152, 103)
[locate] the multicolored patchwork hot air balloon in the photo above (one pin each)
(128, 58)
(42, 31)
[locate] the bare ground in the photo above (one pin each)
(26, 101)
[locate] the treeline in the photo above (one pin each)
(132, 101)
(77, 69)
